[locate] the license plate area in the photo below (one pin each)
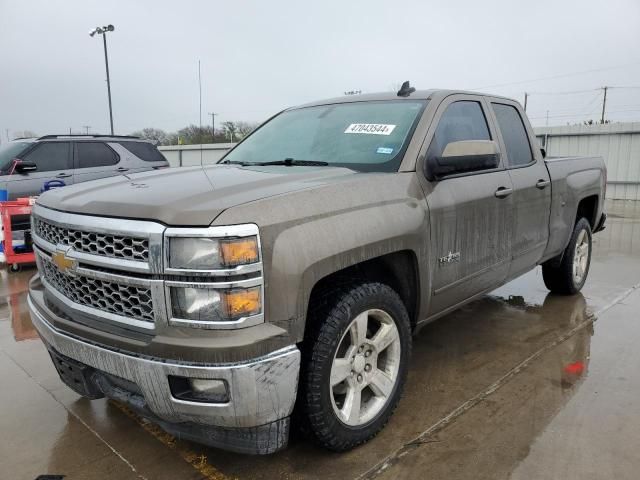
(76, 375)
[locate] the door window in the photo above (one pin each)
(514, 134)
(144, 151)
(50, 156)
(94, 154)
(462, 120)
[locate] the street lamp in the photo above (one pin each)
(103, 31)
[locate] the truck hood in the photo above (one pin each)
(186, 196)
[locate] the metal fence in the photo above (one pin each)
(617, 143)
(190, 155)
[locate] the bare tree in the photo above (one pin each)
(194, 134)
(245, 128)
(24, 134)
(156, 135)
(231, 129)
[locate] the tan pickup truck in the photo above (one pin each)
(287, 280)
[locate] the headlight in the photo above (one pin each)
(212, 305)
(214, 277)
(203, 253)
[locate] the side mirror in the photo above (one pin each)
(24, 166)
(464, 157)
(544, 152)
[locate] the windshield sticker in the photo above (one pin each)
(370, 128)
(384, 150)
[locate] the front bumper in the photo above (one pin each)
(262, 392)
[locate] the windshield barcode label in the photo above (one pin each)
(370, 128)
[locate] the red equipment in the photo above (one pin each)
(21, 206)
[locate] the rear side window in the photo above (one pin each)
(94, 154)
(514, 135)
(462, 120)
(144, 151)
(50, 156)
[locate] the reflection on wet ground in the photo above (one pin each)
(13, 303)
(520, 384)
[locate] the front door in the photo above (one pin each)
(53, 162)
(531, 188)
(470, 214)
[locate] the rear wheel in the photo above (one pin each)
(356, 366)
(569, 276)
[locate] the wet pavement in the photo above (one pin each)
(520, 384)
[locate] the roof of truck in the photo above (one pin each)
(382, 96)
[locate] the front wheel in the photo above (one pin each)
(354, 375)
(569, 276)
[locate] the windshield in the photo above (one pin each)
(364, 136)
(9, 151)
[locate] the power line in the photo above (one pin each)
(552, 77)
(572, 92)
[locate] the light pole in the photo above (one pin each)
(103, 31)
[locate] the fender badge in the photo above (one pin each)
(449, 258)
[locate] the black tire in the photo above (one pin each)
(329, 318)
(558, 276)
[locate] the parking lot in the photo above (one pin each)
(519, 384)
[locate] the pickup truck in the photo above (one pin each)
(286, 281)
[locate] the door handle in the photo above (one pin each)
(122, 169)
(542, 184)
(503, 192)
(63, 175)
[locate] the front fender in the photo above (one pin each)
(311, 234)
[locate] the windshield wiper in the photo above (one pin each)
(233, 162)
(288, 162)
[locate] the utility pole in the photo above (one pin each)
(547, 124)
(604, 104)
(86, 128)
(103, 31)
(213, 126)
(200, 93)
(6, 132)
(526, 96)
(106, 63)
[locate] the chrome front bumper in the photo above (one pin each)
(261, 391)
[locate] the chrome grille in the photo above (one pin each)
(108, 245)
(120, 299)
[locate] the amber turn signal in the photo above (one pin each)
(239, 252)
(241, 303)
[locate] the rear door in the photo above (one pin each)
(470, 225)
(93, 160)
(53, 162)
(531, 185)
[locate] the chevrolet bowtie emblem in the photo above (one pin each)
(63, 262)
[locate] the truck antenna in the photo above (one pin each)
(406, 89)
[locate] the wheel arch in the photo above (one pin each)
(399, 270)
(588, 208)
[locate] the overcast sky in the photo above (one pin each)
(261, 56)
